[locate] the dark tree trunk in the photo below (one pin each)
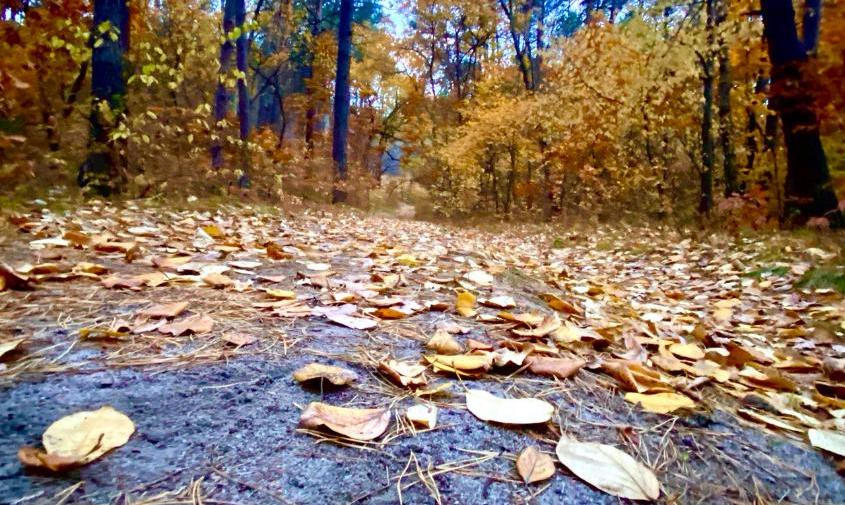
(104, 170)
(221, 95)
(725, 117)
(242, 48)
(707, 144)
(808, 190)
(315, 14)
(340, 130)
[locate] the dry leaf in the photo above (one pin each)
(390, 313)
(560, 305)
(196, 324)
(499, 302)
(534, 466)
(462, 364)
(356, 323)
(9, 279)
(660, 403)
(358, 424)
(280, 294)
(239, 339)
(422, 415)
(829, 440)
(444, 343)
(404, 373)
(169, 310)
(561, 368)
(217, 280)
(549, 324)
(487, 407)
(608, 469)
(334, 374)
(79, 438)
(464, 304)
(10, 345)
(688, 351)
(480, 277)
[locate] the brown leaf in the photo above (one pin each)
(357, 424)
(404, 373)
(196, 324)
(334, 374)
(169, 310)
(561, 368)
(534, 466)
(9, 279)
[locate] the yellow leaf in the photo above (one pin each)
(334, 374)
(444, 343)
(464, 303)
(660, 403)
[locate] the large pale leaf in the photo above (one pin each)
(829, 440)
(488, 407)
(358, 424)
(608, 469)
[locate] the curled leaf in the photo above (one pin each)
(334, 374)
(357, 424)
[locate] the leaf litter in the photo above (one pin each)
(673, 330)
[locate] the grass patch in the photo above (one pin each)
(823, 278)
(768, 271)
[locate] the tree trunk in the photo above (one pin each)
(808, 190)
(725, 118)
(315, 14)
(242, 47)
(104, 170)
(707, 144)
(340, 131)
(221, 95)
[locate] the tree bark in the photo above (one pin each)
(808, 191)
(315, 14)
(242, 48)
(725, 115)
(104, 170)
(707, 144)
(340, 130)
(221, 95)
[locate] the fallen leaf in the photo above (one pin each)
(549, 324)
(404, 373)
(561, 368)
(444, 343)
(560, 305)
(467, 364)
(217, 280)
(660, 403)
(488, 407)
(499, 302)
(357, 424)
(688, 351)
(464, 304)
(9, 279)
(829, 440)
(356, 323)
(480, 277)
(280, 294)
(168, 310)
(534, 466)
(196, 324)
(390, 313)
(334, 374)
(239, 339)
(10, 345)
(608, 469)
(79, 438)
(422, 415)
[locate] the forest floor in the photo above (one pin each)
(747, 331)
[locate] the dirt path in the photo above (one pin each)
(217, 423)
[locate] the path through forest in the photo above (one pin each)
(193, 324)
